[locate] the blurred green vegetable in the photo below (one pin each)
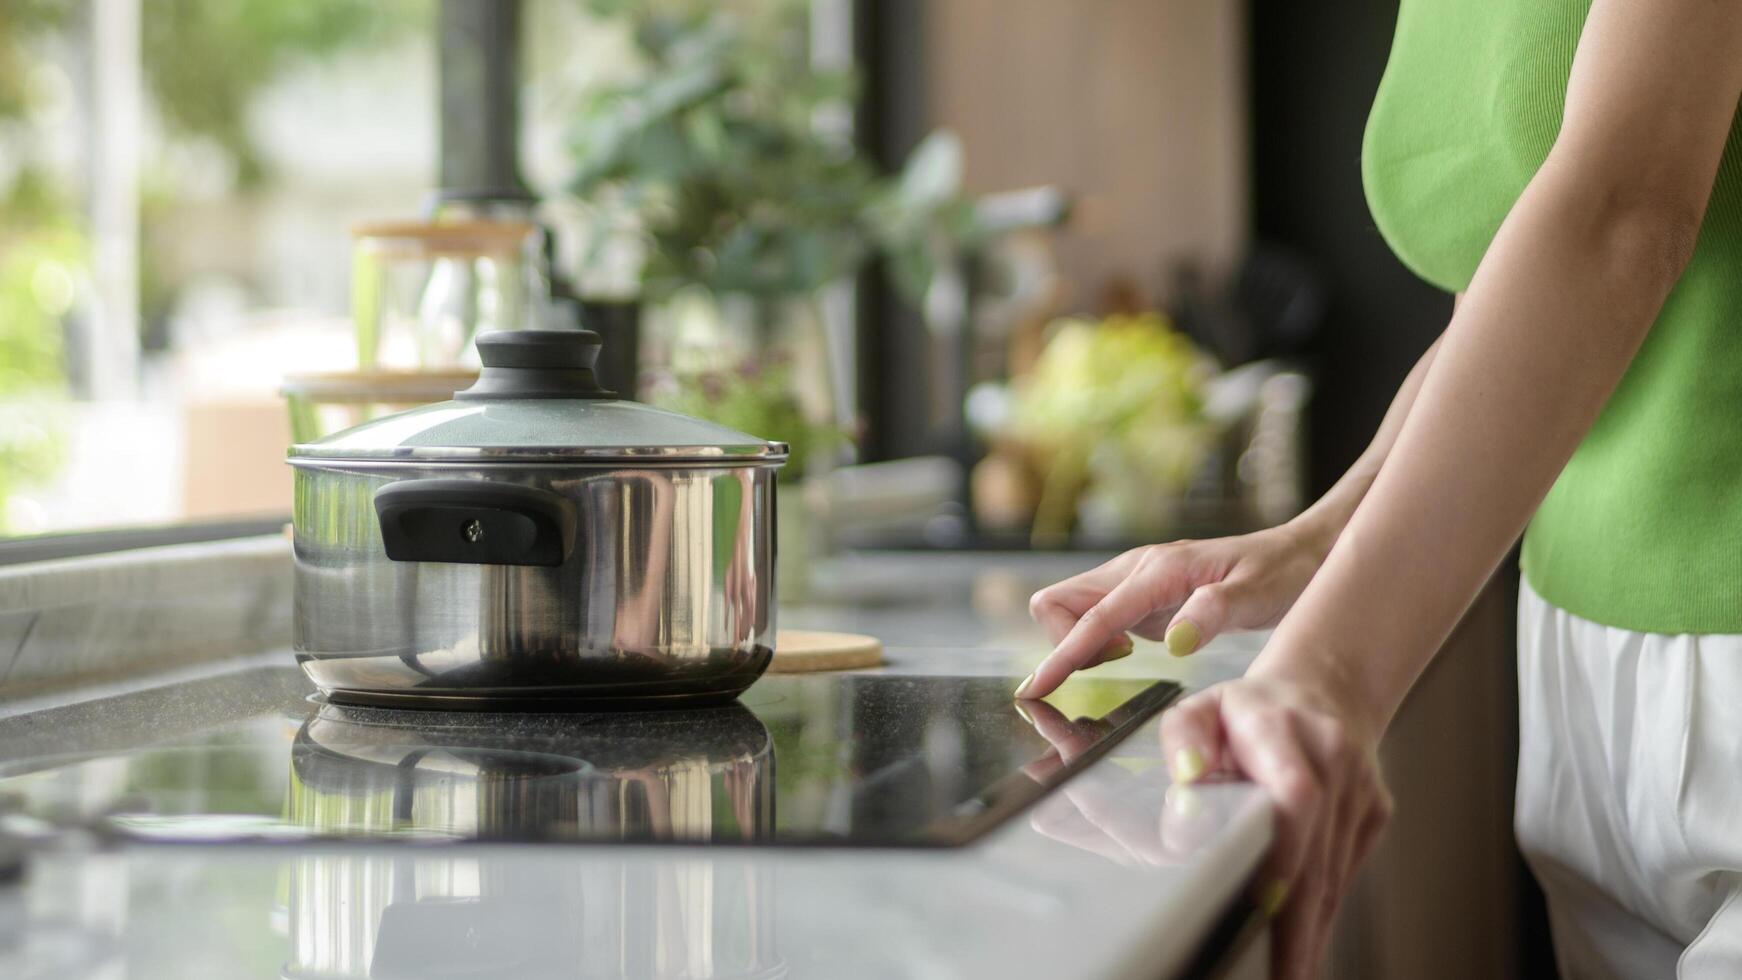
(1114, 405)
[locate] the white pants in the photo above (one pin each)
(1630, 794)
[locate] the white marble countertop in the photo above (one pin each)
(1114, 875)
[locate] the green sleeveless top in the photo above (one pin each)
(1643, 530)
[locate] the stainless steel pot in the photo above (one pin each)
(535, 541)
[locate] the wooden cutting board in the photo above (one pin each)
(796, 651)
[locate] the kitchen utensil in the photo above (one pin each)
(798, 651)
(535, 541)
(610, 308)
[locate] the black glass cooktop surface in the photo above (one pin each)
(850, 759)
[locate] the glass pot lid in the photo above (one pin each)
(538, 400)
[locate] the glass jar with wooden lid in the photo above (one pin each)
(420, 291)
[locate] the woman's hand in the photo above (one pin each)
(1185, 592)
(1316, 758)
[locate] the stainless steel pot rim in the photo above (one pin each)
(312, 454)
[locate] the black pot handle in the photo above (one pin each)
(474, 522)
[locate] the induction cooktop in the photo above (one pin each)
(819, 759)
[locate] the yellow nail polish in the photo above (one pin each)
(1022, 688)
(1182, 638)
(1118, 650)
(1027, 715)
(1188, 765)
(1274, 897)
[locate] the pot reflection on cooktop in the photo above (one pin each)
(806, 759)
(698, 775)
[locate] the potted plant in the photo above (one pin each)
(709, 162)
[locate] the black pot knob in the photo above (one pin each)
(537, 364)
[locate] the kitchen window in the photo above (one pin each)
(177, 181)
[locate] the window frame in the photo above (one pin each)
(478, 51)
(82, 544)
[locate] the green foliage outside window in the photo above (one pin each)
(204, 64)
(42, 263)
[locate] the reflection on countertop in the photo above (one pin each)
(861, 759)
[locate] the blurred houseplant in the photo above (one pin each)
(716, 159)
(715, 151)
(1111, 422)
(712, 158)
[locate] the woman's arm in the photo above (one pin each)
(1561, 301)
(1559, 305)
